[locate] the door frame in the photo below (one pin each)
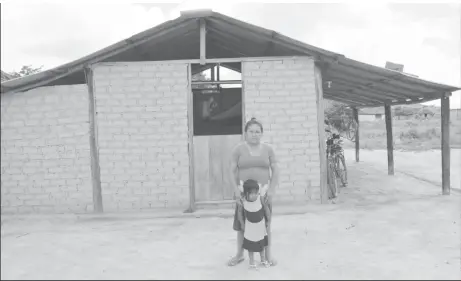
(192, 197)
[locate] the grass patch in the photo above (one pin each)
(408, 134)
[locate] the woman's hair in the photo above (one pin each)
(250, 186)
(253, 121)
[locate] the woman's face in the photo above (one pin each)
(253, 134)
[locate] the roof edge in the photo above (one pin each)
(198, 13)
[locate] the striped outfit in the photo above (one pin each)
(256, 168)
(255, 235)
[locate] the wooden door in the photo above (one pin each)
(212, 167)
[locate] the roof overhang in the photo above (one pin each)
(352, 82)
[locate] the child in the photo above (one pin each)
(254, 218)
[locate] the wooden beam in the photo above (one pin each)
(357, 134)
(190, 147)
(94, 151)
(212, 70)
(390, 141)
(445, 114)
(217, 82)
(202, 41)
(321, 135)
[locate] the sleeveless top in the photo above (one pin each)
(255, 167)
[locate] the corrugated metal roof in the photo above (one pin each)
(352, 82)
(371, 111)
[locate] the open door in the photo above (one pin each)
(217, 127)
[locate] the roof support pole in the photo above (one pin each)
(202, 41)
(445, 114)
(355, 112)
(390, 141)
(94, 150)
(321, 135)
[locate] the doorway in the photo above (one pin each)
(217, 129)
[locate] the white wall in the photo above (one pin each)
(45, 151)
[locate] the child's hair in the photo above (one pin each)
(250, 186)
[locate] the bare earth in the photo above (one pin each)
(383, 227)
(424, 165)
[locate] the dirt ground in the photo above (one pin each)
(383, 227)
(424, 165)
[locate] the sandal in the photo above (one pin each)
(265, 264)
(234, 261)
(272, 262)
(253, 266)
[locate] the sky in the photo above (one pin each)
(425, 37)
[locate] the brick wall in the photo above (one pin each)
(45, 151)
(281, 93)
(142, 134)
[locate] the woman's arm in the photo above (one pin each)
(234, 171)
(267, 213)
(275, 171)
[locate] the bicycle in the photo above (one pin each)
(336, 164)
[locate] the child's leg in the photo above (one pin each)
(251, 256)
(262, 254)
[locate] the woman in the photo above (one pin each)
(253, 160)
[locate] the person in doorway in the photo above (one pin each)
(256, 161)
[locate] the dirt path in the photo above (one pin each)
(424, 165)
(383, 228)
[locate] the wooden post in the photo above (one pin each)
(218, 66)
(190, 147)
(202, 41)
(357, 134)
(94, 151)
(321, 135)
(445, 116)
(213, 78)
(390, 141)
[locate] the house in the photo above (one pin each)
(455, 113)
(126, 128)
(371, 114)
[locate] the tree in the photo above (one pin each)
(25, 70)
(340, 117)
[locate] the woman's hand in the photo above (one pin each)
(263, 189)
(240, 187)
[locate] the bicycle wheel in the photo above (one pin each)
(331, 181)
(351, 129)
(340, 169)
